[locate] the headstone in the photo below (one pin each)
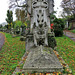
(41, 57)
(17, 30)
(23, 33)
(39, 11)
(23, 28)
(13, 32)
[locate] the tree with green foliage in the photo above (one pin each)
(21, 14)
(18, 24)
(9, 19)
(57, 24)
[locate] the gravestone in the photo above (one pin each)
(17, 30)
(41, 57)
(12, 31)
(23, 28)
(23, 33)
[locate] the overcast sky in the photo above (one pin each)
(5, 3)
(58, 7)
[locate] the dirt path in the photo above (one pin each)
(2, 40)
(69, 34)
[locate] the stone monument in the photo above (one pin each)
(23, 32)
(41, 57)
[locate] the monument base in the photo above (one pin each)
(42, 59)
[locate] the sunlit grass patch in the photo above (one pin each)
(11, 54)
(14, 49)
(66, 48)
(73, 31)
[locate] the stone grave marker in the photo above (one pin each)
(41, 57)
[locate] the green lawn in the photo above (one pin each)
(73, 31)
(14, 49)
(66, 48)
(11, 54)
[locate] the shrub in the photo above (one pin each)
(58, 30)
(18, 24)
(58, 26)
(51, 42)
(69, 28)
(73, 31)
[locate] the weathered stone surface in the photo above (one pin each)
(42, 59)
(39, 11)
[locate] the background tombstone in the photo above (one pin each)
(23, 32)
(23, 27)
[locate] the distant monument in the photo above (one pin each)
(41, 57)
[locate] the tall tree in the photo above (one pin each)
(20, 14)
(68, 6)
(17, 12)
(9, 18)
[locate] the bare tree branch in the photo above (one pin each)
(17, 3)
(68, 6)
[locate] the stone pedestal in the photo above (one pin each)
(42, 59)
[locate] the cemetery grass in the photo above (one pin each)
(14, 49)
(73, 31)
(11, 54)
(66, 49)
